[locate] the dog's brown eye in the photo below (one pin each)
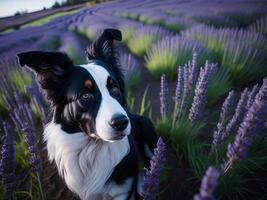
(86, 96)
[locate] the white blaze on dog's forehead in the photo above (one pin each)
(109, 105)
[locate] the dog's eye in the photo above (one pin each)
(86, 96)
(115, 88)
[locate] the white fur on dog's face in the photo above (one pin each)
(109, 106)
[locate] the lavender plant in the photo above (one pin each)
(222, 44)
(252, 123)
(128, 28)
(7, 161)
(178, 24)
(200, 97)
(22, 117)
(238, 116)
(260, 25)
(224, 115)
(71, 45)
(144, 37)
(151, 178)
(164, 97)
(166, 55)
(131, 69)
(208, 185)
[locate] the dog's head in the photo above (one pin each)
(88, 98)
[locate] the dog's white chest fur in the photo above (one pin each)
(84, 164)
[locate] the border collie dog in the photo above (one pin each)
(95, 143)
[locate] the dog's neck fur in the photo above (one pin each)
(85, 164)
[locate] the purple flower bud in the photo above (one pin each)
(151, 178)
(30, 139)
(194, 70)
(225, 112)
(185, 89)
(208, 185)
(164, 93)
(179, 88)
(252, 95)
(7, 161)
(200, 98)
(237, 118)
(252, 123)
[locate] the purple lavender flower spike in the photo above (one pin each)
(194, 70)
(185, 93)
(30, 139)
(164, 93)
(179, 88)
(252, 95)
(200, 98)
(225, 112)
(252, 123)
(7, 161)
(208, 185)
(151, 178)
(237, 118)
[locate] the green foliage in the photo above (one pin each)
(132, 79)
(44, 20)
(130, 101)
(144, 108)
(182, 134)
(143, 39)
(3, 106)
(175, 27)
(145, 104)
(234, 183)
(219, 85)
(52, 43)
(242, 19)
(154, 20)
(141, 43)
(127, 32)
(197, 159)
(77, 57)
(190, 151)
(244, 63)
(260, 25)
(22, 154)
(20, 78)
(217, 21)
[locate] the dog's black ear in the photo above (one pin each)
(103, 47)
(51, 69)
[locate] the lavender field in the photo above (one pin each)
(198, 69)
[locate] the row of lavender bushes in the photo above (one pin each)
(239, 62)
(163, 51)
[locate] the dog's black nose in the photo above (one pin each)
(119, 122)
